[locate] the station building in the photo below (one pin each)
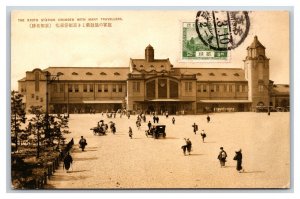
(150, 84)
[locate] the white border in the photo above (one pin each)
(160, 194)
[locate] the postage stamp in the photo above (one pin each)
(194, 49)
(222, 30)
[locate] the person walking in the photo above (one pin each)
(130, 132)
(173, 120)
(203, 135)
(183, 147)
(82, 143)
(68, 160)
(208, 119)
(195, 127)
(222, 157)
(189, 146)
(238, 157)
(149, 125)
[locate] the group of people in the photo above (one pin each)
(238, 158)
(68, 160)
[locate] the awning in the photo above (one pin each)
(167, 100)
(103, 102)
(225, 101)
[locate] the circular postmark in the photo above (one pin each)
(222, 30)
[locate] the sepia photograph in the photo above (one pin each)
(138, 99)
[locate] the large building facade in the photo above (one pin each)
(151, 84)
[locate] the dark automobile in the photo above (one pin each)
(156, 131)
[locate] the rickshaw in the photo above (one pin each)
(156, 131)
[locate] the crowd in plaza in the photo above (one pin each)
(142, 118)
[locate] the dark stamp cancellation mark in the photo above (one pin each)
(222, 30)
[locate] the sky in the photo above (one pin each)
(128, 37)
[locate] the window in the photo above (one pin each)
(100, 88)
(199, 87)
(114, 88)
(74, 73)
(260, 88)
(32, 96)
(198, 74)
(230, 88)
(76, 87)
(116, 73)
(224, 74)
(238, 88)
(85, 88)
(136, 87)
(120, 88)
(70, 88)
(102, 73)
(217, 88)
(37, 97)
(212, 88)
(37, 81)
(89, 73)
(91, 88)
(59, 73)
(41, 99)
(188, 87)
(211, 74)
(204, 88)
(105, 88)
(236, 74)
(62, 88)
(54, 87)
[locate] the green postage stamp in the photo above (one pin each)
(193, 49)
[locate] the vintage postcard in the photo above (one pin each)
(150, 99)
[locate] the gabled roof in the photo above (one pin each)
(90, 73)
(215, 74)
(157, 65)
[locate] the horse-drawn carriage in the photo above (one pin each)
(156, 131)
(100, 129)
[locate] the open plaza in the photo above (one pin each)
(115, 161)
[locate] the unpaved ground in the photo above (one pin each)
(115, 161)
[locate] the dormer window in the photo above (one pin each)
(59, 73)
(116, 73)
(211, 74)
(89, 73)
(141, 66)
(236, 74)
(152, 66)
(102, 73)
(74, 73)
(162, 66)
(198, 74)
(224, 74)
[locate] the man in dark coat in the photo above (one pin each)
(222, 157)
(68, 160)
(208, 119)
(173, 120)
(149, 125)
(189, 146)
(238, 157)
(195, 127)
(82, 143)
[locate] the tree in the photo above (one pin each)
(18, 116)
(36, 125)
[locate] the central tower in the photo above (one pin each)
(149, 53)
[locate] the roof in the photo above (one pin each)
(158, 65)
(90, 73)
(282, 89)
(22, 80)
(215, 74)
(256, 43)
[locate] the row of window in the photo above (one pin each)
(60, 88)
(37, 98)
(202, 88)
